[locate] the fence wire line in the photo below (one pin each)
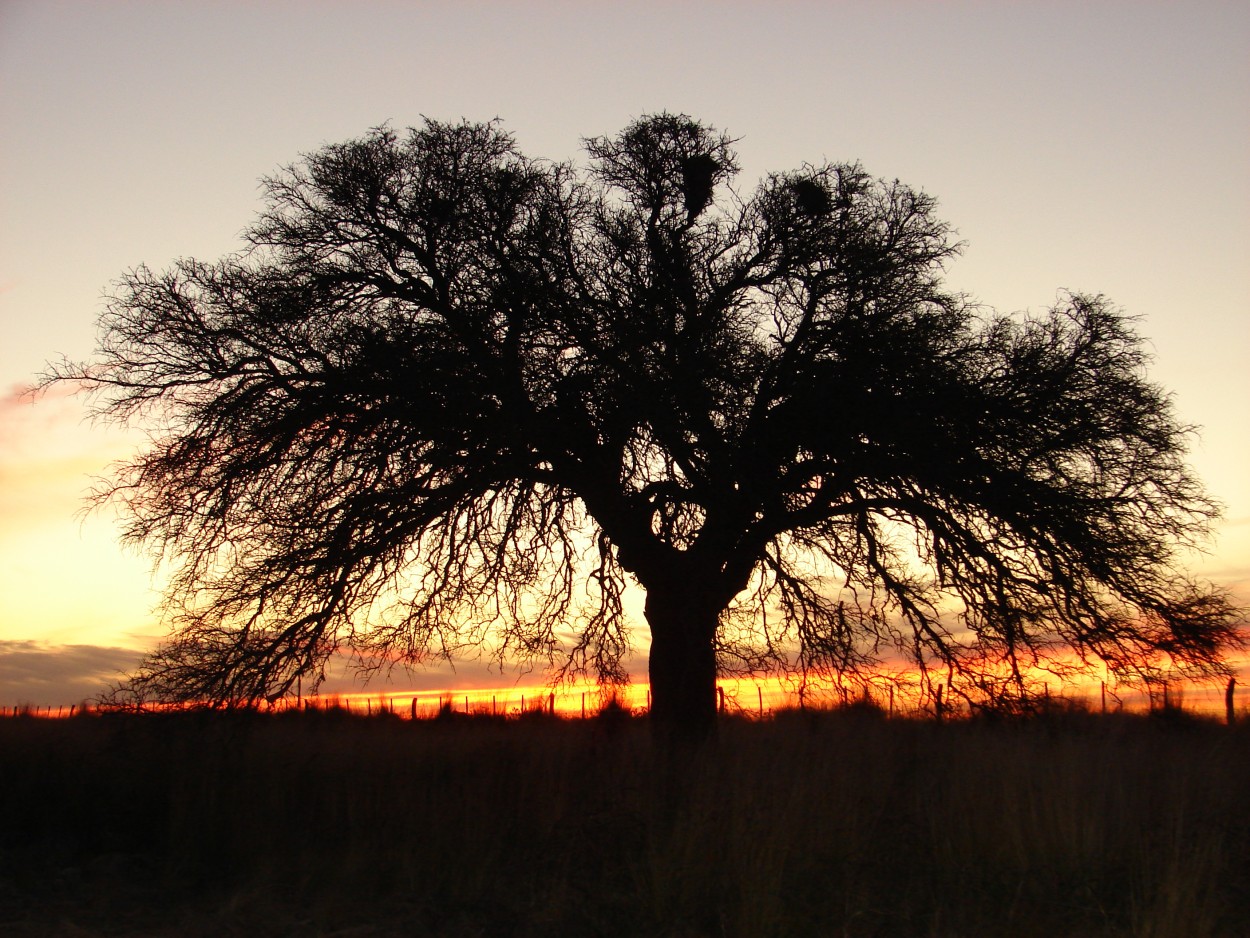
(739, 698)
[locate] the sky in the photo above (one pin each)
(1091, 147)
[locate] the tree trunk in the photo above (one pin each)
(683, 665)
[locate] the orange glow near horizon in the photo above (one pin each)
(752, 697)
(899, 694)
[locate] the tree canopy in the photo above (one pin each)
(451, 397)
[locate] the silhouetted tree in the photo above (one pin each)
(452, 397)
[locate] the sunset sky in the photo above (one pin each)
(1093, 147)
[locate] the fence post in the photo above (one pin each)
(759, 692)
(1230, 713)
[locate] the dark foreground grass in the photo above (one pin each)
(841, 824)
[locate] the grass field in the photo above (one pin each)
(838, 823)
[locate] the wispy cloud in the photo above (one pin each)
(50, 453)
(42, 674)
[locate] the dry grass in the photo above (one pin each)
(840, 824)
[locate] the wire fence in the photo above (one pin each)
(743, 698)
